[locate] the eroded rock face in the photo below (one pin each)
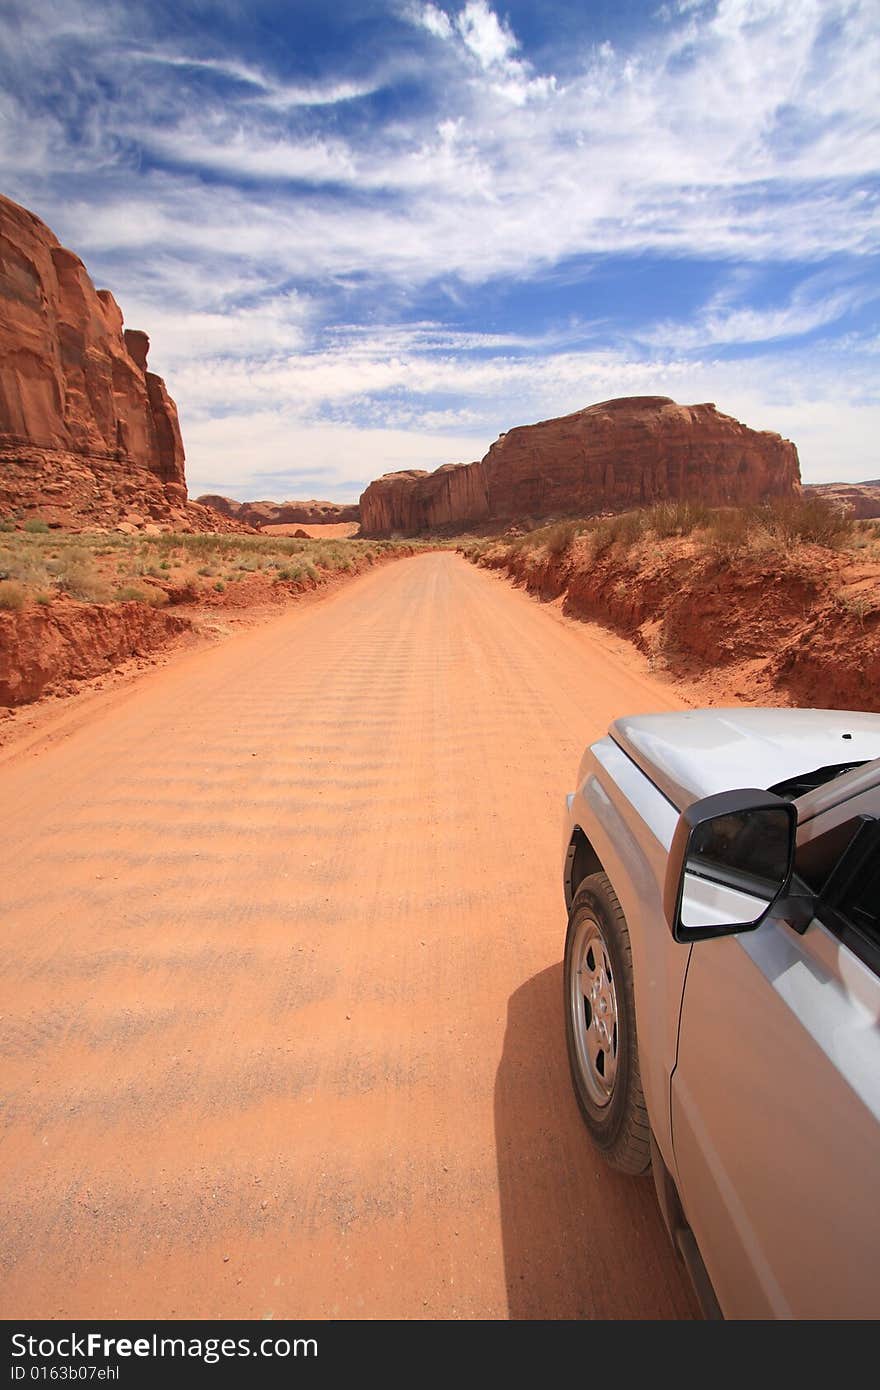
(85, 428)
(623, 453)
(257, 514)
(414, 501)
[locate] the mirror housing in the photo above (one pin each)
(731, 858)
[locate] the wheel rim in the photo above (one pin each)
(594, 1012)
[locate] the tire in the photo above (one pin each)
(600, 1027)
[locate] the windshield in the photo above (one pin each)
(804, 782)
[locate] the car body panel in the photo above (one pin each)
(631, 825)
(689, 754)
(775, 1108)
(759, 1051)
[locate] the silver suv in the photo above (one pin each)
(722, 999)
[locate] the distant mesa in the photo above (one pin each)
(859, 500)
(630, 452)
(88, 436)
(260, 514)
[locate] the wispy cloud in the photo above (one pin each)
(728, 318)
(289, 231)
(746, 134)
(268, 91)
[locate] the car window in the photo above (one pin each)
(817, 859)
(849, 896)
(861, 901)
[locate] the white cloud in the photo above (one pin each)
(728, 319)
(488, 38)
(492, 44)
(279, 95)
(435, 20)
(231, 147)
(179, 338)
(254, 454)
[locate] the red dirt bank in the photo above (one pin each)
(800, 628)
(49, 649)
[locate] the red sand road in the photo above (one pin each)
(281, 1016)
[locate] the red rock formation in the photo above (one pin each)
(414, 501)
(859, 500)
(85, 430)
(618, 454)
(257, 514)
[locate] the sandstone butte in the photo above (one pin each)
(88, 436)
(257, 514)
(622, 453)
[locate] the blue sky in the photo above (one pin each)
(373, 234)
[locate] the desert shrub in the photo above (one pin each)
(23, 562)
(677, 518)
(77, 576)
(808, 520)
(7, 525)
(220, 586)
(44, 600)
(12, 595)
(732, 527)
(857, 606)
(36, 527)
(624, 530)
(131, 593)
(558, 538)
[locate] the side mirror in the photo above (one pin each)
(730, 860)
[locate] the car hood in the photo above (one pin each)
(694, 753)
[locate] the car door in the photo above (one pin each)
(776, 1092)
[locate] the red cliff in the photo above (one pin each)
(88, 436)
(415, 501)
(618, 454)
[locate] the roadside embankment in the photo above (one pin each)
(773, 605)
(75, 608)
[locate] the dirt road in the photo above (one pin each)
(281, 988)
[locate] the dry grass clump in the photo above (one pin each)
(786, 522)
(811, 520)
(141, 593)
(677, 518)
(622, 530)
(557, 538)
(12, 595)
(77, 574)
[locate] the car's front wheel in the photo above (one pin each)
(600, 1026)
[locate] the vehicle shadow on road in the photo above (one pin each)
(580, 1241)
